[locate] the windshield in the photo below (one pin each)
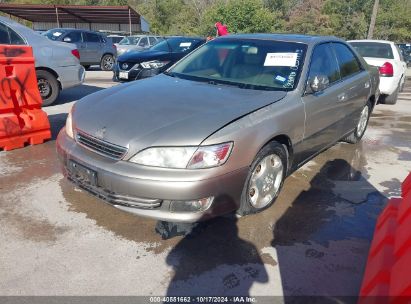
(54, 34)
(161, 46)
(373, 49)
(252, 64)
(129, 41)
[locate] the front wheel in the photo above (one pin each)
(107, 62)
(265, 179)
(359, 131)
(48, 86)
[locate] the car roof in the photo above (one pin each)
(307, 39)
(371, 40)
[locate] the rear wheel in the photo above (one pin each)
(107, 62)
(391, 99)
(265, 179)
(359, 131)
(48, 86)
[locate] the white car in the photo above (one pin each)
(388, 58)
(57, 63)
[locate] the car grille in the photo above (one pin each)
(115, 198)
(100, 146)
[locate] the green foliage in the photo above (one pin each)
(241, 16)
(394, 20)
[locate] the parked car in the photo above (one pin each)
(406, 52)
(136, 43)
(116, 38)
(94, 47)
(135, 65)
(392, 66)
(221, 129)
(57, 64)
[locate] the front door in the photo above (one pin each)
(323, 113)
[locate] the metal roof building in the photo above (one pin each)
(97, 18)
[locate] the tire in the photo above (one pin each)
(391, 99)
(274, 157)
(359, 131)
(48, 86)
(107, 62)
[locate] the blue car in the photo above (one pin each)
(134, 65)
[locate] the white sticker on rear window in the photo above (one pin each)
(281, 59)
(185, 44)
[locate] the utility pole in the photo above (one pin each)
(373, 17)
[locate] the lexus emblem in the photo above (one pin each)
(101, 133)
(124, 66)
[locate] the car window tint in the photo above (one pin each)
(4, 35)
(347, 61)
(143, 42)
(74, 36)
(373, 49)
(90, 37)
(15, 38)
(152, 40)
(323, 62)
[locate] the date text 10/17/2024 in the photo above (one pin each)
(199, 299)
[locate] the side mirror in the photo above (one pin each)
(67, 39)
(317, 83)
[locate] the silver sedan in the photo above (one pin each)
(220, 130)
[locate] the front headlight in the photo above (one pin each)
(69, 124)
(184, 157)
(155, 64)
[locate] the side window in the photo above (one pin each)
(347, 61)
(143, 42)
(102, 39)
(4, 34)
(323, 62)
(73, 36)
(153, 40)
(90, 37)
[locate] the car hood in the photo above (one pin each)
(137, 57)
(165, 111)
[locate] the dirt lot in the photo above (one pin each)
(58, 240)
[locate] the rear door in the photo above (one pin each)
(93, 48)
(355, 88)
(322, 108)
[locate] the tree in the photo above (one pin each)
(241, 16)
(394, 20)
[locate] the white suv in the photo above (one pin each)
(388, 58)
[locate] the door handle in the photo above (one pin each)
(341, 97)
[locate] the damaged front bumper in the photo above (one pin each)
(129, 188)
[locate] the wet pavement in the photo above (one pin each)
(58, 240)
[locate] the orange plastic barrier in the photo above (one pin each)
(21, 118)
(388, 271)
